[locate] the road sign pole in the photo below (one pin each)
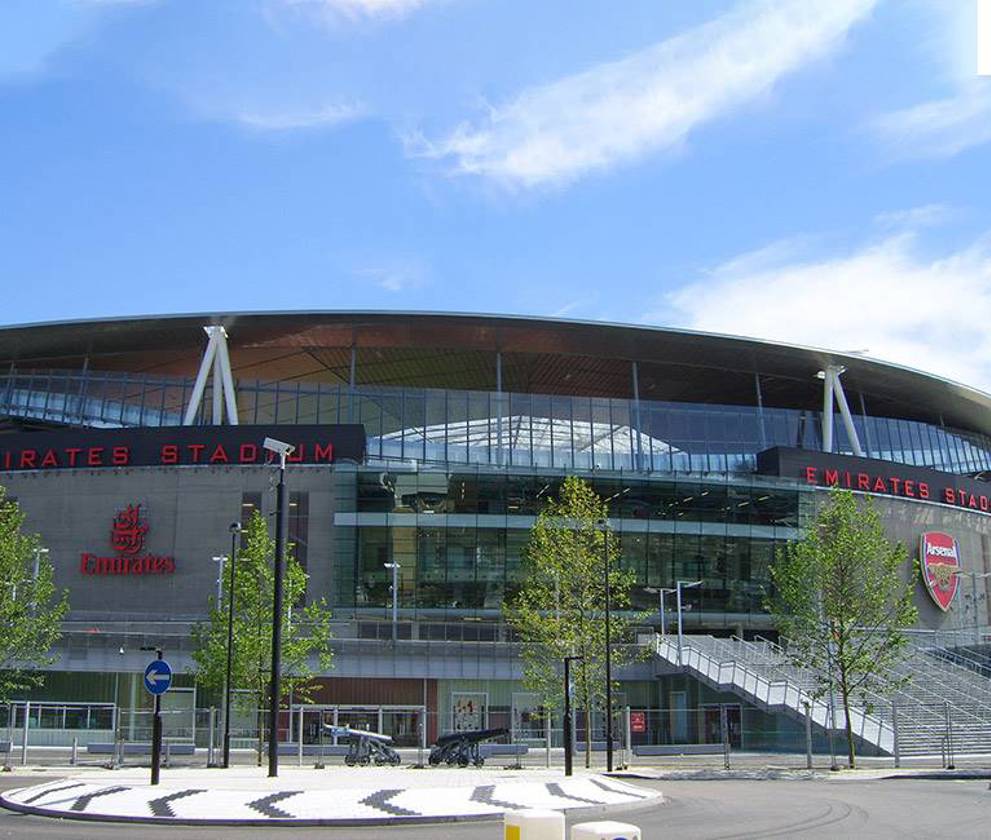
(156, 737)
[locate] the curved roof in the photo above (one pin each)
(539, 355)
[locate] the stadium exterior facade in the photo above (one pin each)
(431, 441)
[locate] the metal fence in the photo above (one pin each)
(714, 736)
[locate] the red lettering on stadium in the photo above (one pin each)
(892, 485)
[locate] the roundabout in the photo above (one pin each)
(363, 796)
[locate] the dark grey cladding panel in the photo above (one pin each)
(187, 512)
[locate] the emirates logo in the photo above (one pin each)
(127, 536)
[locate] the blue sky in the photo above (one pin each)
(814, 171)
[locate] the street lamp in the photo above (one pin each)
(283, 450)
(395, 597)
(220, 559)
(568, 736)
(34, 577)
(682, 584)
(235, 529)
(661, 592)
(604, 524)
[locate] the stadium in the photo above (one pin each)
(430, 441)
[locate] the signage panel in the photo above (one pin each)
(939, 559)
(177, 446)
(158, 677)
(869, 475)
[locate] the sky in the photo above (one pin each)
(811, 171)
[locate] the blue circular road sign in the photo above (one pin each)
(158, 676)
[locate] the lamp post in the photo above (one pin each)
(283, 450)
(682, 584)
(395, 597)
(34, 576)
(604, 524)
(235, 529)
(661, 592)
(568, 730)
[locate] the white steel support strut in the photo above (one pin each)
(216, 357)
(832, 391)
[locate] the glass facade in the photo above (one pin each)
(459, 535)
(499, 428)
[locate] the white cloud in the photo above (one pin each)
(395, 276)
(930, 313)
(357, 9)
(650, 101)
(290, 120)
(940, 128)
(926, 215)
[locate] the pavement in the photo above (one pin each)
(726, 809)
(338, 796)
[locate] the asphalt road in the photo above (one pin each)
(713, 810)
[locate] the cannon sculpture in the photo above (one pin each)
(461, 748)
(365, 747)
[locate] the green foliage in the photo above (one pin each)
(842, 603)
(559, 610)
(305, 632)
(31, 610)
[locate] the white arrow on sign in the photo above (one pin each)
(154, 676)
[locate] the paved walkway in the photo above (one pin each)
(359, 796)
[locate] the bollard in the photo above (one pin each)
(167, 755)
(75, 750)
(547, 739)
(533, 825)
(606, 830)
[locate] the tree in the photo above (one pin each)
(305, 631)
(559, 608)
(842, 602)
(31, 609)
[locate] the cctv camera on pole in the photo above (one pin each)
(283, 450)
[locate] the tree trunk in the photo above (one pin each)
(845, 693)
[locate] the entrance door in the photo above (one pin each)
(711, 727)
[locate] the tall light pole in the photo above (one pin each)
(604, 524)
(235, 529)
(395, 597)
(568, 730)
(34, 577)
(220, 559)
(283, 450)
(661, 592)
(682, 584)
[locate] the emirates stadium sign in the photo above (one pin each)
(869, 475)
(939, 557)
(177, 446)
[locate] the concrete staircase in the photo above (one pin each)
(945, 708)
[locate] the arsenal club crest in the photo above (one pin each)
(939, 557)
